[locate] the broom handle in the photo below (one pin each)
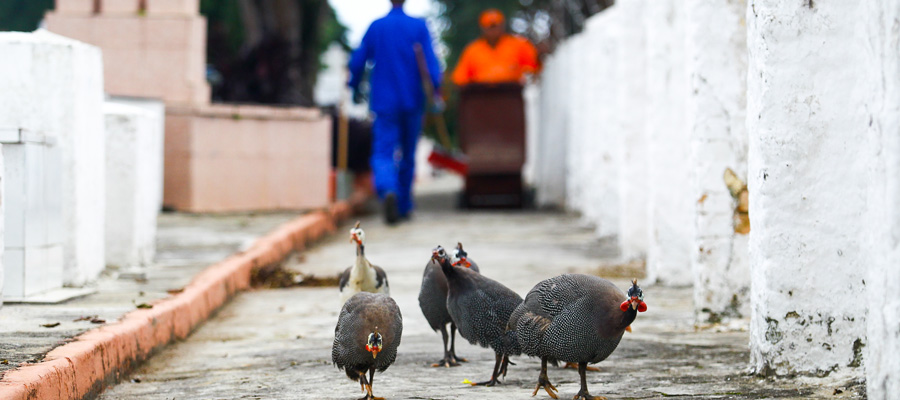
(440, 124)
(343, 132)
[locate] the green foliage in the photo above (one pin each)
(22, 15)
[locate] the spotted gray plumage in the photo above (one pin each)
(480, 307)
(433, 302)
(572, 318)
(361, 315)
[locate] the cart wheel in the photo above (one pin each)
(462, 202)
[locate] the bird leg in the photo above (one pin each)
(575, 366)
(496, 373)
(453, 345)
(505, 363)
(369, 395)
(583, 393)
(544, 381)
(448, 360)
(364, 385)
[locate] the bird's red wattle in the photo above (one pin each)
(642, 307)
(624, 305)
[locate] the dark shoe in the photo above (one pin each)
(391, 215)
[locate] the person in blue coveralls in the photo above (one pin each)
(398, 101)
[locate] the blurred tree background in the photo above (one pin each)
(258, 51)
(22, 15)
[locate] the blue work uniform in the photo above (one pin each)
(396, 98)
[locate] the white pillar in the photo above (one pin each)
(670, 205)
(599, 150)
(632, 112)
(134, 172)
(717, 110)
(551, 138)
(808, 180)
(883, 282)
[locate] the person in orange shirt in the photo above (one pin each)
(497, 56)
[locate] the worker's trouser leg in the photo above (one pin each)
(394, 138)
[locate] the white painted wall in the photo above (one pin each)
(549, 143)
(883, 281)
(77, 119)
(631, 103)
(716, 61)
(669, 226)
(808, 183)
(134, 179)
(600, 148)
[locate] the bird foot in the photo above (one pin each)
(446, 362)
(492, 382)
(575, 366)
(543, 382)
(584, 395)
(458, 359)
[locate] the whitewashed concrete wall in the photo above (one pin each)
(78, 119)
(2, 209)
(883, 281)
(808, 183)
(669, 226)
(549, 144)
(46, 98)
(716, 61)
(600, 147)
(631, 104)
(134, 179)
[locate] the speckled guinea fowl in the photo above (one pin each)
(481, 307)
(433, 302)
(362, 276)
(574, 318)
(366, 337)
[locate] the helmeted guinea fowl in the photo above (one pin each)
(366, 337)
(362, 276)
(574, 318)
(461, 257)
(480, 307)
(433, 302)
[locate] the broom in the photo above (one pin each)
(441, 156)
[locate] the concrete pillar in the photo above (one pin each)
(579, 104)
(134, 180)
(808, 182)
(670, 203)
(550, 142)
(632, 106)
(600, 151)
(716, 61)
(79, 124)
(883, 282)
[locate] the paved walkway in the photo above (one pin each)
(186, 244)
(275, 344)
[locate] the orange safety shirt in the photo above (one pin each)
(512, 57)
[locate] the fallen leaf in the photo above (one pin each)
(88, 318)
(53, 325)
(144, 305)
(467, 382)
(174, 291)
(98, 321)
(4, 362)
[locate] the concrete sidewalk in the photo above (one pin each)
(275, 344)
(185, 245)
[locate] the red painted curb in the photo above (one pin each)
(99, 357)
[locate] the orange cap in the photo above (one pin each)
(490, 17)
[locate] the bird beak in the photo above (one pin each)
(634, 302)
(374, 353)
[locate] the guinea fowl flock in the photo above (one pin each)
(573, 318)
